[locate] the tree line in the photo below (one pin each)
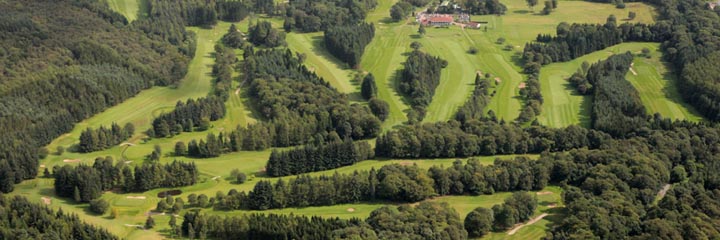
(347, 42)
(225, 61)
(192, 115)
(424, 221)
(474, 107)
(102, 138)
(86, 59)
(22, 219)
(313, 16)
(391, 183)
(418, 79)
(481, 137)
(263, 34)
(84, 183)
(485, 7)
(311, 158)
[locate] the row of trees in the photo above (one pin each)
(22, 219)
(192, 115)
(419, 78)
(485, 7)
(517, 208)
(86, 58)
(474, 107)
(473, 138)
(348, 42)
(401, 10)
(95, 140)
(391, 183)
(84, 183)
(317, 158)
(313, 16)
(225, 60)
(425, 221)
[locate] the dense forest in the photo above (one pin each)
(347, 43)
(21, 219)
(263, 34)
(418, 80)
(88, 57)
(481, 137)
(424, 221)
(313, 16)
(312, 158)
(84, 183)
(474, 107)
(189, 116)
(102, 138)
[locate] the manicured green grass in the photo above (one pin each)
(658, 87)
(128, 8)
(563, 106)
(321, 61)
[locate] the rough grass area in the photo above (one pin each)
(131, 9)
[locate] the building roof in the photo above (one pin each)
(441, 19)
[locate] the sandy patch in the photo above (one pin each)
(350, 209)
(519, 226)
(552, 205)
(237, 92)
(136, 197)
(134, 225)
(42, 165)
(544, 193)
(216, 178)
(498, 80)
(151, 213)
(126, 162)
(522, 85)
(406, 163)
(46, 200)
(127, 144)
(72, 160)
(263, 169)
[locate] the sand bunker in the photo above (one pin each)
(350, 209)
(406, 163)
(71, 160)
(522, 85)
(136, 197)
(552, 205)
(497, 80)
(46, 200)
(42, 165)
(237, 92)
(544, 193)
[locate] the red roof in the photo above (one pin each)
(441, 19)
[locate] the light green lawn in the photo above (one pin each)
(128, 8)
(563, 106)
(658, 87)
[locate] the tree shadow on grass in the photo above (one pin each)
(318, 47)
(521, 11)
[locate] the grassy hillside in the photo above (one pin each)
(563, 106)
(131, 9)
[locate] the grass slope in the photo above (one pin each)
(129, 8)
(564, 107)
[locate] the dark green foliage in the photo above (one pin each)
(313, 158)
(479, 222)
(453, 139)
(189, 115)
(617, 108)
(368, 88)
(103, 138)
(89, 182)
(86, 56)
(313, 16)
(392, 183)
(233, 38)
(225, 60)
(485, 7)
(240, 178)
(149, 222)
(263, 34)
(419, 78)
(401, 10)
(21, 219)
(270, 226)
(99, 206)
(347, 42)
(426, 221)
(380, 108)
(474, 108)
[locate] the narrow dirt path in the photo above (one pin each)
(662, 192)
(534, 220)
